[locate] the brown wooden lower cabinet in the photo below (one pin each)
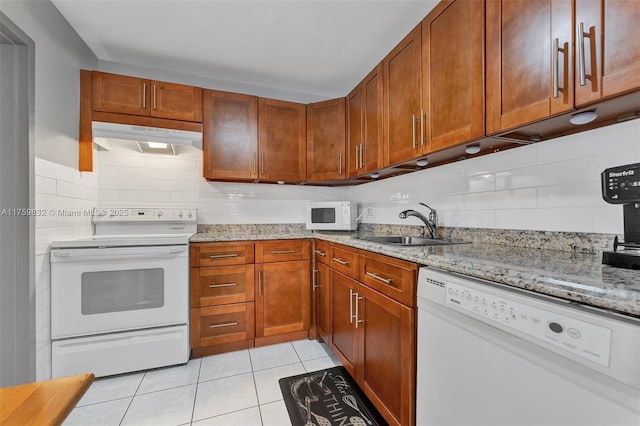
(322, 276)
(373, 331)
(283, 298)
(216, 329)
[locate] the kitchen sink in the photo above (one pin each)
(412, 241)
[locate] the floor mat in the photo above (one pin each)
(326, 398)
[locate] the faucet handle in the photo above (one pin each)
(433, 211)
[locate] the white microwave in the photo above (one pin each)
(332, 216)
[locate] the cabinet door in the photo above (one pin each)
(387, 355)
(521, 58)
(322, 287)
(120, 94)
(283, 299)
(611, 43)
(344, 342)
(325, 140)
(282, 141)
(364, 125)
(402, 100)
(176, 101)
(453, 74)
(230, 126)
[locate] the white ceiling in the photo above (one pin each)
(320, 48)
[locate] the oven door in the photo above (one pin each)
(102, 290)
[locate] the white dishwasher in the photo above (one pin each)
(489, 354)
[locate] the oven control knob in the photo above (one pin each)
(179, 214)
(189, 214)
(159, 213)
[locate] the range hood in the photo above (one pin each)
(143, 135)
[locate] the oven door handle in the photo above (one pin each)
(79, 255)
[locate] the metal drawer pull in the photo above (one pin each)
(223, 256)
(283, 251)
(556, 71)
(378, 277)
(320, 252)
(340, 261)
(223, 285)
(224, 324)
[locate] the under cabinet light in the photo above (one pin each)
(422, 162)
(583, 117)
(472, 149)
(157, 145)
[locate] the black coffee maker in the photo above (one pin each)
(621, 185)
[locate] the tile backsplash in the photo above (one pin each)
(548, 186)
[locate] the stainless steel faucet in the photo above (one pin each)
(431, 223)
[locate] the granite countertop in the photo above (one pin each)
(568, 275)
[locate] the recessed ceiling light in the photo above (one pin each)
(157, 145)
(422, 162)
(583, 117)
(472, 149)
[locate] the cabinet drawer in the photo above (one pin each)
(321, 252)
(221, 253)
(221, 285)
(392, 277)
(345, 260)
(282, 250)
(222, 324)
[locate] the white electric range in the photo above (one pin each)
(120, 299)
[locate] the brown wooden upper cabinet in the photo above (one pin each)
(364, 152)
(529, 61)
(137, 96)
(325, 140)
(403, 114)
(282, 141)
(230, 148)
(608, 49)
(453, 74)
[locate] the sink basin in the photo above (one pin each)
(412, 241)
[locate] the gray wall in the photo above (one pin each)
(60, 53)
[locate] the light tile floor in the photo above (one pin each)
(235, 388)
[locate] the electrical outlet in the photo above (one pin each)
(370, 211)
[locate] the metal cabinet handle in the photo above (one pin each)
(555, 66)
(224, 324)
(320, 252)
(254, 163)
(262, 163)
(378, 277)
(154, 97)
(361, 156)
(282, 251)
(340, 261)
(223, 285)
(358, 298)
(413, 129)
(315, 279)
(144, 95)
(223, 256)
(351, 306)
(260, 283)
(582, 72)
(421, 128)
